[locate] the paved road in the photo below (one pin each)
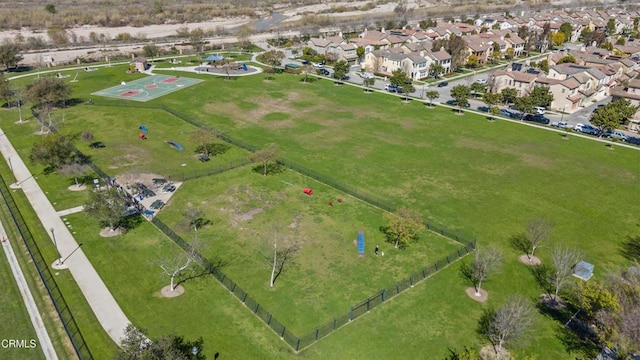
(104, 306)
(44, 342)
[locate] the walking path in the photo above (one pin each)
(104, 306)
(41, 331)
(73, 210)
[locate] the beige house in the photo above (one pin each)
(632, 93)
(502, 79)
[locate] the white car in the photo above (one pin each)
(540, 110)
(578, 127)
(317, 65)
(366, 75)
(481, 81)
(560, 124)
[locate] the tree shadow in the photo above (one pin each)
(215, 265)
(519, 242)
(542, 276)
(630, 249)
(131, 221)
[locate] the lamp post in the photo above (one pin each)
(53, 235)
(562, 115)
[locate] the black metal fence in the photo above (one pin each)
(218, 169)
(48, 280)
(299, 343)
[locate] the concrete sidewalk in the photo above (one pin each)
(104, 306)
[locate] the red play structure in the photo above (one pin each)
(308, 191)
(142, 136)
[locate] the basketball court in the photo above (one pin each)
(148, 88)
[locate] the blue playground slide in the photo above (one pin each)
(361, 242)
(143, 129)
(178, 146)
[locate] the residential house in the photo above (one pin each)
(630, 92)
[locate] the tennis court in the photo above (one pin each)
(148, 88)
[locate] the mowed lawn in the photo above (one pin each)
(486, 179)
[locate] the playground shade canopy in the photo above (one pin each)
(214, 57)
(583, 270)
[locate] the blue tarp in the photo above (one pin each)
(214, 57)
(178, 146)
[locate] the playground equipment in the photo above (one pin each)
(178, 146)
(142, 136)
(360, 242)
(308, 191)
(143, 129)
(244, 67)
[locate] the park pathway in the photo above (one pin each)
(44, 341)
(104, 306)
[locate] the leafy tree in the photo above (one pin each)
(106, 206)
(10, 54)
(340, 69)
(50, 8)
(484, 263)
(46, 92)
(625, 110)
(509, 95)
(567, 59)
(472, 61)
(204, 140)
(53, 151)
(620, 41)
(435, 70)
(544, 65)
(508, 323)
(558, 38)
(597, 37)
(612, 115)
(492, 99)
(494, 111)
(196, 38)
(58, 35)
(150, 50)
(524, 104)
(611, 26)
(368, 83)
(306, 69)
(272, 58)
(6, 92)
(496, 55)
(136, 346)
(402, 227)
(541, 96)
(465, 354)
(510, 53)
(265, 156)
(457, 47)
(538, 231)
(477, 88)
(461, 93)
(566, 29)
(360, 52)
(432, 95)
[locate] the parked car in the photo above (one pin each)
(540, 110)
(169, 188)
(536, 118)
(344, 78)
(505, 112)
(453, 102)
(481, 81)
(588, 129)
(393, 88)
(616, 134)
(366, 75)
(484, 108)
(560, 124)
(324, 72)
(443, 84)
(317, 65)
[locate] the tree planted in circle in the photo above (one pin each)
(137, 346)
(485, 262)
(403, 227)
(400, 79)
(461, 94)
(340, 70)
(285, 247)
(432, 95)
(107, 206)
(507, 324)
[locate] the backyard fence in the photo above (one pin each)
(49, 282)
(299, 343)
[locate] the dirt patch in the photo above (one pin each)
(107, 232)
(533, 260)
(248, 215)
(74, 187)
(483, 297)
(489, 353)
(166, 292)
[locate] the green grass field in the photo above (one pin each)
(476, 177)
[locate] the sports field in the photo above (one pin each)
(147, 88)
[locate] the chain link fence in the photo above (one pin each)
(42, 266)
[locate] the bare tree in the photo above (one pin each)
(564, 259)
(538, 231)
(283, 255)
(107, 207)
(74, 169)
(195, 218)
(265, 156)
(508, 323)
(177, 262)
(484, 263)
